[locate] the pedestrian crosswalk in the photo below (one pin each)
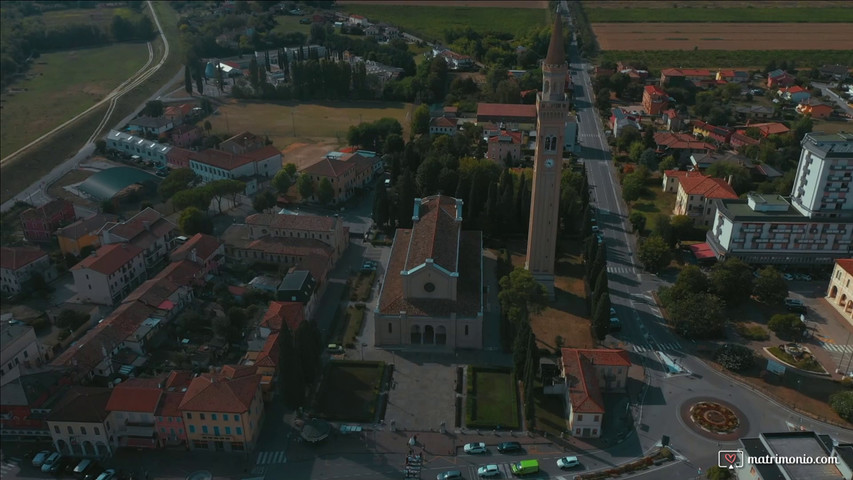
(665, 347)
(7, 468)
(831, 347)
(620, 270)
(269, 458)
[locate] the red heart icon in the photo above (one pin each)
(731, 457)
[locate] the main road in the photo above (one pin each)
(645, 335)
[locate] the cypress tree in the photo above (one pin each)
(188, 79)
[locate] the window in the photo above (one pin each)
(236, 418)
(596, 418)
(83, 430)
(227, 430)
(189, 416)
(162, 429)
(390, 328)
(180, 431)
(201, 416)
(213, 416)
(466, 329)
(192, 428)
(97, 431)
(204, 429)
(580, 418)
(429, 287)
(70, 430)
(595, 431)
(239, 431)
(56, 428)
(577, 431)
(225, 417)
(216, 430)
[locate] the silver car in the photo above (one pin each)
(488, 471)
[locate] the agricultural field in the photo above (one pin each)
(724, 36)
(746, 59)
(60, 85)
(721, 13)
(430, 22)
(99, 17)
(291, 122)
(452, 3)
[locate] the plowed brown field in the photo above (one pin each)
(724, 36)
(455, 3)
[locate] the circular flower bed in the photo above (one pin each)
(714, 417)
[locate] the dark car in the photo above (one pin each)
(509, 447)
(64, 465)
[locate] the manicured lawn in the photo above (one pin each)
(290, 122)
(809, 363)
(655, 201)
(751, 331)
(430, 23)
(494, 401)
(60, 85)
(767, 15)
(349, 391)
(361, 286)
(289, 24)
(355, 319)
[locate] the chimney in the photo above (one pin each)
(729, 180)
(193, 256)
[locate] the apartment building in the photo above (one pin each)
(40, 223)
(655, 100)
(252, 167)
(131, 410)
(83, 233)
(148, 230)
(696, 195)
(79, 425)
(824, 174)
(19, 264)
(19, 347)
(109, 274)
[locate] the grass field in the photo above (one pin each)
(62, 84)
(654, 202)
(495, 403)
(349, 391)
(290, 122)
(658, 59)
(430, 23)
(99, 17)
(289, 24)
(724, 36)
(730, 14)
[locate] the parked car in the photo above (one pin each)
(615, 324)
(48, 462)
(107, 474)
(335, 349)
(595, 229)
(450, 475)
(796, 306)
(568, 462)
(509, 447)
(40, 457)
(488, 471)
(475, 448)
(86, 467)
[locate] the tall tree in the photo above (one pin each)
(601, 317)
(654, 253)
(254, 79)
(308, 346)
(306, 187)
(732, 281)
(325, 191)
(221, 189)
(381, 206)
(521, 295)
(188, 79)
(291, 382)
(770, 287)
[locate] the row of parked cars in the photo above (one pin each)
(80, 468)
(519, 468)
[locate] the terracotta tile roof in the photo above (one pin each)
(328, 168)
(219, 393)
(741, 137)
(295, 222)
(86, 226)
(291, 314)
(81, 404)
(583, 386)
(506, 110)
(178, 380)
(230, 161)
(182, 129)
(14, 258)
(686, 72)
(109, 258)
(48, 210)
(179, 156)
(269, 355)
(676, 141)
(294, 247)
(169, 407)
(846, 264)
(654, 90)
(143, 228)
(681, 174)
(707, 187)
(442, 122)
(605, 356)
(204, 245)
(318, 265)
(506, 137)
(793, 89)
(435, 235)
(153, 292)
(770, 128)
(136, 395)
(468, 290)
(712, 129)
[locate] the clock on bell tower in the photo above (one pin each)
(552, 109)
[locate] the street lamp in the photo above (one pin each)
(362, 351)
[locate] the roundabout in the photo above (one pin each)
(714, 419)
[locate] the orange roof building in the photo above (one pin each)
(839, 293)
(588, 373)
(696, 195)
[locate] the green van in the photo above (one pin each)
(525, 467)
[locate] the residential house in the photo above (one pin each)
(505, 148)
(740, 139)
(839, 294)
(780, 78)
(265, 362)
(655, 100)
(148, 230)
(700, 77)
(242, 143)
(19, 264)
(134, 145)
(184, 136)
(587, 374)
(202, 249)
(672, 178)
(442, 126)
(755, 111)
(327, 230)
(814, 108)
(835, 72)
(132, 409)
(358, 20)
(672, 119)
(79, 423)
(109, 274)
(680, 145)
(39, 223)
(794, 93)
(167, 293)
(797, 444)
(733, 76)
(620, 118)
(19, 349)
(432, 290)
(178, 157)
(223, 411)
(281, 315)
(346, 172)
(512, 116)
(150, 125)
(767, 129)
(26, 401)
(82, 234)
(179, 114)
(696, 197)
(252, 167)
(636, 75)
(169, 422)
(701, 161)
(720, 135)
(455, 61)
(300, 286)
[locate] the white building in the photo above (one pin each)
(147, 150)
(109, 275)
(78, 423)
(18, 264)
(822, 185)
(251, 167)
(839, 294)
(148, 230)
(19, 347)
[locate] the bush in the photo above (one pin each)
(734, 357)
(788, 325)
(842, 403)
(752, 332)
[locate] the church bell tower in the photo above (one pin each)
(552, 109)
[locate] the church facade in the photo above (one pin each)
(432, 292)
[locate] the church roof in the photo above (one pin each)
(556, 50)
